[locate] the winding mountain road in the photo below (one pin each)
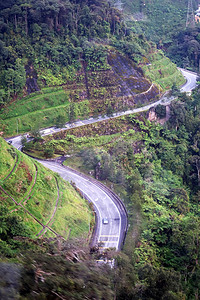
(106, 203)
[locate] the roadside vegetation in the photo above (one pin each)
(66, 60)
(60, 75)
(155, 169)
(164, 23)
(33, 194)
(162, 71)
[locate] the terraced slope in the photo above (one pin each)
(162, 71)
(121, 86)
(46, 203)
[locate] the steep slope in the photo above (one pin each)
(164, 22)
(47, 205)
(121, 86)
(155, 169)
(63, 71)
(158, 20)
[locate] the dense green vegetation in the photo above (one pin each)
(186, 51)
(156, 170)
(158, 20)
(62, 60)
(164, 23)
(69, 59)
(161, 71)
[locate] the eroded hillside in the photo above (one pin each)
(119, 85)
(70, 60)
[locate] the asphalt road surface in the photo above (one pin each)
(187, 87)
(111, 234)
(108, 235)
(191, 78)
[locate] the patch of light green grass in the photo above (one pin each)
(7, 159)
(73, 217)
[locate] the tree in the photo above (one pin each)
(160, 111)
(72, 112)
(15, 78)
(60, 121)
(109, 111)
(48, 152)
(175, 90)
(10, 226)
(35, 133)
(23, 140)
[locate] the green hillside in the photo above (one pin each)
(162, 71)
(64, 71)
(158, 20)
(48, 205)
(164, 22)
(155, 170)
(62, 60)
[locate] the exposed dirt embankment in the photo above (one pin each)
(31, 79)
(121, 86)
(134, 87)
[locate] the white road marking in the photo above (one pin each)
(96, 187)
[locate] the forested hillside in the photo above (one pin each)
(164, 22)
(62, 60)
(159, 20)
(155, 169)
(49, 40)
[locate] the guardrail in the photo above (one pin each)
(118, 202)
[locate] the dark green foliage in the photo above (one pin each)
(10, 228)
(164, 22)
(60, 121)
(155, 168)
(109, 111)
(160, 111)
(51, 40)
(159, 20)
(48, 152)
(185, 50)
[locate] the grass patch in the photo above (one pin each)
(30, 222)
(42, 118)
(7, 159)
(35, 103)
(37, 154)
(73, 215)
(74, 162)
(19, 182)
(162, 71)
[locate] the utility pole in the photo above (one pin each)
(190, 15)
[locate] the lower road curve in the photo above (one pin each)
(111, 214)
